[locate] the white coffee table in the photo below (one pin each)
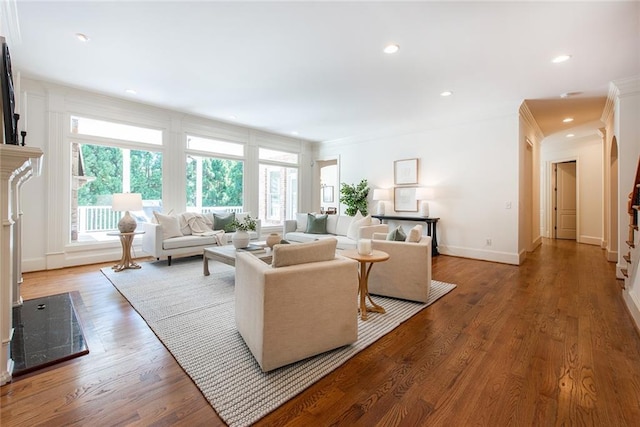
(227, 254)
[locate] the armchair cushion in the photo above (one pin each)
(414, 234)
(397, 234)
(316, 251)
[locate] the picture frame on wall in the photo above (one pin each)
(405, 171)
(327, 194)
(404, 199)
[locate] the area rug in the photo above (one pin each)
(193, 316)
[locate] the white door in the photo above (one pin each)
(566, 203)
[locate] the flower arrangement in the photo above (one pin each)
(246, 224)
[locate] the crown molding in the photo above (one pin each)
(528, 118)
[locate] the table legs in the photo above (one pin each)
(364, 292)
(126, 262)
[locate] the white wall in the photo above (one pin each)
(587, 152)
(473, 169)
(46, 109)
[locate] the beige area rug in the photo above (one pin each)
(193, 316)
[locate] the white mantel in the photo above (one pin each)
(17, 165)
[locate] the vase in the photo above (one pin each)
(272, 239)
(240, 239)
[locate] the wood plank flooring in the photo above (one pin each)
(547, 343)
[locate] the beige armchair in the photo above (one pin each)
(304, 304)
(407, 273)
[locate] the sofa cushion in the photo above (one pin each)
(316, 224)
(224, 221)
(188, 242)
(301, 221)
(332, 224)
(342, 226)
(415, 234)
(170, 225)
(303, 253)
(357, 222)
(397, 234)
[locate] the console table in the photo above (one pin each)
(431, 227)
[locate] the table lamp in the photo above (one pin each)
(423, 194)
(127, 202)
(380, 195)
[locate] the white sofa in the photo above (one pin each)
(301, 305)
(338, 226)
(407, 272)
(156, 244)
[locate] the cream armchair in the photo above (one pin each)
(407, 272)
(301, 305)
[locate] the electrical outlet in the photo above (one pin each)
(488, 242)
(507, 205)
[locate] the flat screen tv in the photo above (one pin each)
(9, 117)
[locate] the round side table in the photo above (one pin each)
(126, 240)
(372, 258)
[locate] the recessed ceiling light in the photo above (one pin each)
(233, 117)
(446, 93)
(570, 135)
(82, 37)
(391, 48)
(561, 58)
(131, 91)
(567, 120)
(294, 132)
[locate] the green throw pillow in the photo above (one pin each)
(316, 224)
(397, 234)
(223, 222)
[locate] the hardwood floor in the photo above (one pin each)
(546, 343)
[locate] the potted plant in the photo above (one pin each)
(355, 197)
(241, 236)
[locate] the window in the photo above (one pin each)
(214, 183)
(278, 195)
(100, 169)
(111, 130)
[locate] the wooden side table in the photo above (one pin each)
(126, 240)
(375, 256)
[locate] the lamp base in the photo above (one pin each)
(424, 208)
(127, 224)
(381, 209)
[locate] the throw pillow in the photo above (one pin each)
(357, 222)
(301, 221)
(223, 222)
(397, 234)
(170, 225)
(415, 234)
(318, 250)
(316, 224)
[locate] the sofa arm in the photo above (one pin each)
(367, 231)
(290, 225)
(152, 239)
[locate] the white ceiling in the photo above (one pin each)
(318, 68)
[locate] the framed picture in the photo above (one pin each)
(405, 171)
(404, 199)
(327, 194)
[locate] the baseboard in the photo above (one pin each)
(484, 255)
(633, 306)
(612, 256)
(590, 240)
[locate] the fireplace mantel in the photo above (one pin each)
(15, 162)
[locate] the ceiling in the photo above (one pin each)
(317, 68)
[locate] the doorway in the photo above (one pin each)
(565, 206)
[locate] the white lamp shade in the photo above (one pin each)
(126, 202)
(381, 194)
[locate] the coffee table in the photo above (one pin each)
(373, 257)
(227, 254)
